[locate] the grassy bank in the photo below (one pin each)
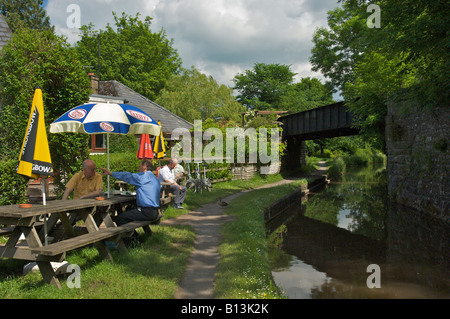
(244, 270)
(154, 269)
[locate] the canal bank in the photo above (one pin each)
(338, 241)
(202, 277)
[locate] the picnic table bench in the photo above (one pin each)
(91, 238)
(62, 215)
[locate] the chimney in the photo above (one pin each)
(94, 82)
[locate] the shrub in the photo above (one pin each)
(13, 187)
(325, 154)
(118, 162)
(337, 168)
(360, 157)
(379, 157)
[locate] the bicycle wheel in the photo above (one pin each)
(208, 184)
(190, 183)
(198, 187)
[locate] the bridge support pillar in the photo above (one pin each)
(295, 155)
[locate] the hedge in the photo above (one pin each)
(13, 187)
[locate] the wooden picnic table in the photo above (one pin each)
(67, 234)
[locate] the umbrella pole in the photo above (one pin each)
(44, 202)
(107, 150)
(43, 181)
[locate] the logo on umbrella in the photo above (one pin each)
(139, 116)
(107, 127)
(77, 114)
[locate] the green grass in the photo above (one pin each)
(219, 190)
(151, 271)
(244, 270)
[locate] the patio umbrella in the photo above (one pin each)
(107, 118)
(145, 148)
(159, 148)
(35, 160)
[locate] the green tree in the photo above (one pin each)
(307, 94)
(25, 13)
(416, 33)
(262, 87)
(272, 87)
(193, 95)
(132, 54)
(33, 58)
(338, 48)
(406, 58)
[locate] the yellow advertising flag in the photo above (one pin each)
(159, 148)
(34, 159)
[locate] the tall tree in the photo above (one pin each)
(338, 48)
(262, 87)
(132, 54)
(193, 95)
(308, 94)
(272, 87)
(25, 13)
(406, 57)
(32, 58)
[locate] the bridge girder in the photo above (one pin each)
(331, 120)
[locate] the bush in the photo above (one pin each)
(325, 154)
(337, 168)
(360, 157)
(379, 157)
(13, 187)
(118, 162)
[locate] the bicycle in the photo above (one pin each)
(198, 183)
(207, 184)
(190, 182)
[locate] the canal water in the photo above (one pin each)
(348, 241)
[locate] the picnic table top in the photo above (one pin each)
(56, 206)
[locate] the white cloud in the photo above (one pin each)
(219, 37)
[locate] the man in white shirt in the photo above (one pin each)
(166, 175)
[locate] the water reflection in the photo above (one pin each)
(339, 232)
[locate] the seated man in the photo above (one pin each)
(178, 171)
(85, 184)
(147, 193)
(166, 175)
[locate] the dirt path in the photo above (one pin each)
(198, 280)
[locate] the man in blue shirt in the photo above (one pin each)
(148, 191)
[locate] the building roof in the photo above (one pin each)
(169, 121)
(5, 31)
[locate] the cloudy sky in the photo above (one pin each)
(219, 37)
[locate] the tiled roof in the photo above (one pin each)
(169, 121)
(5, 31)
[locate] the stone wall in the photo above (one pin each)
(418, 161)
(247, 171)
(244, 172)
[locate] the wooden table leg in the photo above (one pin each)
(48, 273)
(107, 220)
(100, 245)
(67, 224)
(45, 267)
